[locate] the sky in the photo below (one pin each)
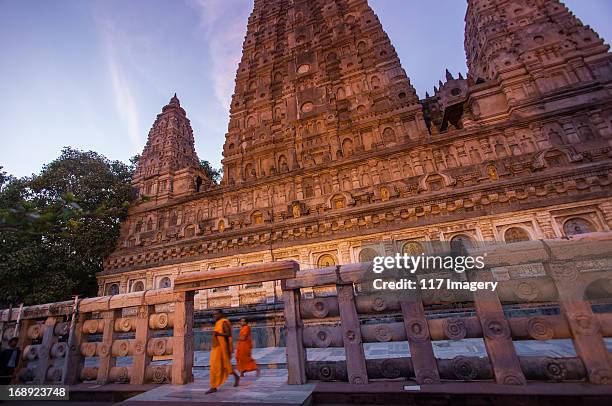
(93, 74)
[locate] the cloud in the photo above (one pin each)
(223, 27)
(122, 90)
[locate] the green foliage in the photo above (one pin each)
(213, 174)
(57, 227)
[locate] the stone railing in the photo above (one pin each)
(567, 277)
(561, 275)
(80, 341)
(59, 339)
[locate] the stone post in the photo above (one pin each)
(182, 347)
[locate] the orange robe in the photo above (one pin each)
(220, 356)
(243, 351)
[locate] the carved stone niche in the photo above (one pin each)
(433, 182)
(296, 209)
(555, 157)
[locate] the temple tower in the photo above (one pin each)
(319, 81)
(533, 47)
(169, 166)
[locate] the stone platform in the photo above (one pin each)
(270, 388)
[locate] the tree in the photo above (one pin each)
(57, 227)
(213, 174)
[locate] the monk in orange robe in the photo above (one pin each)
(221, 353)
(244, 361)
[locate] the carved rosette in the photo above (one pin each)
(320, 309)
(357, 379)
(464, 368)
(379, 304)
(554, 371)
(120, 348)
(89, 374)
(58, 350)
(390, 369)
(119, 374)
(540, 329)
(35, 332)
(584, 324)
(383, 333)
(61, 329)
(455, 328)
(326, 373)
(512, 379)
(30, 352)
(565, 275)
(417, 330)
(323, 337)
(427, 377)
(103, 350)
(496, 328)
(138, 347)
(601, 376)
(88, 349)
(527, 291)
(351, 336)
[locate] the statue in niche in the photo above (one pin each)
(527, 144)
(500, 150)
(439, 159)
(429, 165)
(366, 179)
(450, 158)
(384, 194)
(475, 155)
(554, 138)
(585, 132)
(492, 172)
(295, 210)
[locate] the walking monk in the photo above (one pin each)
(221, 353)
(243, 350)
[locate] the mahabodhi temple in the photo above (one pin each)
(331, 159)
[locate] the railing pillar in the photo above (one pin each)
(584, 326)
(74, 359)
(296, 354)
(182, 352)
(104, 350)
(351, 335)
(140, 357)
(497, 336)
(419, 339)
(44, 351)
(23, 340)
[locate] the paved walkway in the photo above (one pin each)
(268, 389)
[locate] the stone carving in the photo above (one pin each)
(540, 329)
(455, 329)
(464, 368)
(496, 328)
(416, 330)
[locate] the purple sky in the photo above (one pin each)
(93, 74)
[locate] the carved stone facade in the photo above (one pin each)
(331, 158)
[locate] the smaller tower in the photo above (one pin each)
(169, 166)
(533, 47)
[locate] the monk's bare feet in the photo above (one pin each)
(236, 380)
(211, 390)
(258, 372)
(241, 374)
